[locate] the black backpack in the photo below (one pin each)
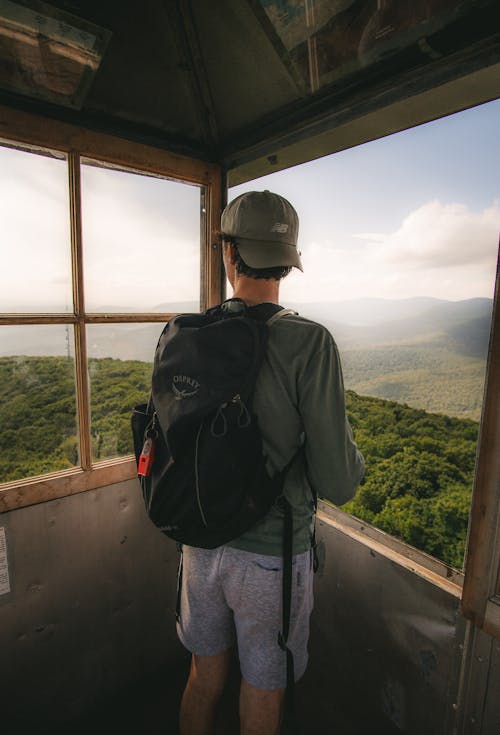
(197, 442)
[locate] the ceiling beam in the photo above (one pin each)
(189, 51)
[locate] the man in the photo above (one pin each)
(233, 593)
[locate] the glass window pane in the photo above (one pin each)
(141, 239)
(120, 365)
(35, 254)
(38, 425)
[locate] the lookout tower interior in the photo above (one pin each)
(199, 97)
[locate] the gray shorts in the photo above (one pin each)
(229, 594)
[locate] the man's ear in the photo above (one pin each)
(229, 248)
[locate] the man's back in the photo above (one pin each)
(299, 402)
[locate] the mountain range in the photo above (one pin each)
(427, 352)
(463, 325)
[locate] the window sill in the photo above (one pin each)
(22, 493)
(432, 570)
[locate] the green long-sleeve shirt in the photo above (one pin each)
(299, 400)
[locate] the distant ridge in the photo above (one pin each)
(429, 353)
(455, 324)
(371, 311)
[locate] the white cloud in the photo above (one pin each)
(140, 237)
(34, 235)
(371, 236)
(134, 254)
(442, 250)
(437, 235)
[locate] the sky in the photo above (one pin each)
(140, 236)
(413, 214)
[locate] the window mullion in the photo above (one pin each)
(213, 283)
(82, 382)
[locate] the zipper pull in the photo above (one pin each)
(145, 464)
(147, 457)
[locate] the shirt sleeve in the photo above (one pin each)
(334, 463)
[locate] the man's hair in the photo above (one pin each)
(276, 273)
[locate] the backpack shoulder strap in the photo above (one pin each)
(278, 314)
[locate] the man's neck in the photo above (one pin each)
(256, 290)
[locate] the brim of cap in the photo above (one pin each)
(268, 254)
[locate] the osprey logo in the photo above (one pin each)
(184, 387)
(279, 227)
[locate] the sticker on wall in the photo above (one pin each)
(4, 567)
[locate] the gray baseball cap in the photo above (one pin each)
(265, 227)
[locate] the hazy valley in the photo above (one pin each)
(428, 353)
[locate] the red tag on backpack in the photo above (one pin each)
(147, 458)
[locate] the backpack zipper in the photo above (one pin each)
(196, 478)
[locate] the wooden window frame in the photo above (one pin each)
(481, 594)
(24, 129)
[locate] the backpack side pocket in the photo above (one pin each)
(140, 421)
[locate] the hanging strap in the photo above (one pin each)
(314, 545)
(290, 726)
(179, 586)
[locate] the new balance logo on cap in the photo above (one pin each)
(279, 227)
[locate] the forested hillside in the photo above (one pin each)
(419, 465)
(38, 431)
(426, 376)
(419, 473)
